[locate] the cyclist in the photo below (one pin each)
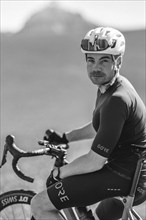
(118, 124)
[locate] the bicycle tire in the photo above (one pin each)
(15, 204)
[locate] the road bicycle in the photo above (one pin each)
(15, 204)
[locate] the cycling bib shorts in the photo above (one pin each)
(87, 189)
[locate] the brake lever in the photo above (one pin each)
(4, 158)
(11, 147)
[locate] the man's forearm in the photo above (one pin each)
(82, 133)
(86, 163)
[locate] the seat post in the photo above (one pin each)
(129, 212)
(136, 177)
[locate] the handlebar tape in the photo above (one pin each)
(19, 172)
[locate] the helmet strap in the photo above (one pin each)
(117, 62)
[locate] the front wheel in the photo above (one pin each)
(16, 205)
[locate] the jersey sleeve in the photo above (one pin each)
(112, 118)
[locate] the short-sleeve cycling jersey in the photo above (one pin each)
(119, 119)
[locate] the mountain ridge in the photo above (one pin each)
(56, 20)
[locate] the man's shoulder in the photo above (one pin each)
(124, 82)
(123, 88)
(122, 93)
(125, 93)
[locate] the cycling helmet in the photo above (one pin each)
(103, 40)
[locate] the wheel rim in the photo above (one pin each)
(15, 205)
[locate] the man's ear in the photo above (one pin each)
(119, 62)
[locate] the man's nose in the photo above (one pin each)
(97, 67)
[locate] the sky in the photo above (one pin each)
(125, 15)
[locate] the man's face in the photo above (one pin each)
(100, 68)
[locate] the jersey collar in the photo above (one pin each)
(103, 88)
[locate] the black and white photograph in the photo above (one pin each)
(73, 110)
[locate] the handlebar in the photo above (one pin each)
(57, 151)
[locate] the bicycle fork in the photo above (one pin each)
(70, 213)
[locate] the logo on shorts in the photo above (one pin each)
(61, 192)
(102, 148)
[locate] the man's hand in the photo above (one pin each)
(55, 138)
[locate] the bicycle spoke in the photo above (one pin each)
(16, 212)
(4, 216)
(13, 213)
(23, 211)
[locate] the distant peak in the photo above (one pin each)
(54, 4)
(55, 19)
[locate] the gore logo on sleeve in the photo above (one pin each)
(102, 148)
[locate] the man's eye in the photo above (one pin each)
(104, 61)
(90, 61)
